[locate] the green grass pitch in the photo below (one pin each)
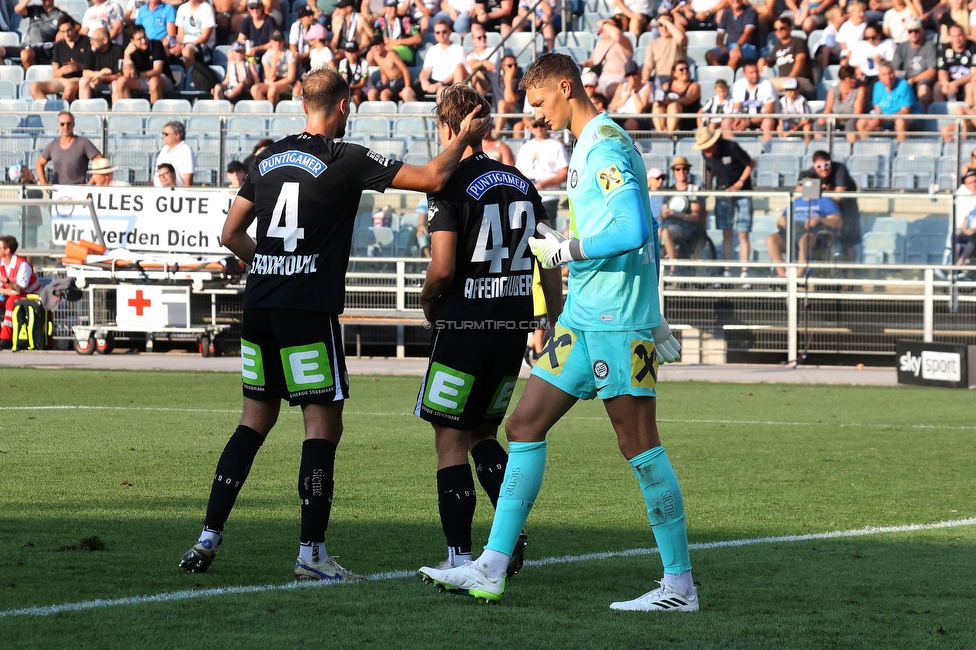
(130, 460)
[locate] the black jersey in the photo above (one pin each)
(494, 209)
(958, 64)
(306, 190)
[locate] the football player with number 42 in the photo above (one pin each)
(607, 343)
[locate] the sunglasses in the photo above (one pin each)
(782, 29)
(873, 38)
(440, 33)
(825, 165)
(681, 69)
(66, 123)
(479, 38)
(682, 169)
(914, 31)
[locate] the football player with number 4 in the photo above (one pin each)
(607, 343)
(478, 297)
(304, 191)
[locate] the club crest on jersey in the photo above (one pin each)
(299, 159)
(489, 180)
(573, 179)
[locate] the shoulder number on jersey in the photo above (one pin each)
(284, 218)
(491, 247)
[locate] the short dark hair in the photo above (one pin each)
(9, 241)
(456, 102)
(820, 155)
(135, 29)
(846, 72)
(786, 20)
(235, 166)
(549, 68)
(66, 19)
(167, 166)
(323, 88)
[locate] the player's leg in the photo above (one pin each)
(456, 498)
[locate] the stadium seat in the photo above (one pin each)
(201, 124)
(913, 172)
(12, 105)
(879, 146)
(383, 242)
(18, 143)
(208, 168)
(394, 148)
(9, 122)
(254, 106)
(588, 21)
(777, 170)
(925, 249)
(870, 171)
(936, 225)
(709, 74)
(663, 146)
(362, 240)
(794, 146)
(577, 54)
(133, 166)
(897, 225)
(39, 73)
(525, 46)
(406, 240)
(370, 126)
(212, 106)
(701, 39)
(131, 105)
(417, 108)
(686, 147)
(752, 146)
(372, 108)
(882, 248)
(920, 147)
(181, 106)
(135, 142)
(655, 160)
(605, 7)
(155, 123)
(289, 108)
(118, 124)
(585, 40)
(283, 125)
(48, 105)
(250, 124)
(12, 73)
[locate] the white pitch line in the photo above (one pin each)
(396, 575)
(771, 423)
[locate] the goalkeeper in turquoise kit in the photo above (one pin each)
(607, 343)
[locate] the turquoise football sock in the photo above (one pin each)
(665, 507)
(520, 487)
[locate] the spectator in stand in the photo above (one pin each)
(897, 19)
(955, 64)
(319, 54)
(459, 14)
(932, 11)
(916, 61)
(512, 96)
(633, 96)
(495, 149)
(101, 65)
(241, 75)
(848, 97)
(957, 14)
(297, 43)
(102, 174)
(422, 12)
(891, 97)
(235, 174)
(280, 70)
(542, 159)
(106, 14)
(679, 95)
(546, 20)
(423, 235)
(394, 75)
(196, 33)
(827, 49)
(738, 37)
(790, 58)
(484, 64)
(590, 83)
(354, 70)
(795, 105)
(496, 15)
(177, 153)
(229, 15)
(349, 25)
(262, 144)
(17, 279)
(400, 33)
(868, 55)
(159, 20)
(67, 63)
(834, 177)
(443, 63)
(165, 175)
(752, 97)
(69, 154)
(966, 217)
(729, 167)
(682, 218)
(611, 52)
(668, 48)
(42, 31)
(635, 15)
(815, 221)
(698, 15)
(256, 29)
(717, 107)
(852, 31)
(812, 15)
(144, 68)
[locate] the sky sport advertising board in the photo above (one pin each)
(948, 365)
(145, 219)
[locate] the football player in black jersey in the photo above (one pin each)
(304, 191)
(478, 296)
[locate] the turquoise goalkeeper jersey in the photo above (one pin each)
(616, 293)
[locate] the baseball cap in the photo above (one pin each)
(254, 3)
(790, 83)
(969, 172)
(342, 4)
(656, 172)
(913, 23)
(630, 68)
(276, 35)
(590, 78)
(390, 3)
(350, 46)
(316, 31)
(304, 11)
(238, 46)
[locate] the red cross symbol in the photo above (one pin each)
(139, 302)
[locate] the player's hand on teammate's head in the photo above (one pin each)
(474, 128)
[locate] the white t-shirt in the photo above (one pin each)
(296, 37)
(180, 157)
(965, 209)
(103, 15)
(798, 107)
(863, 55)
(461, 5)
(645, 7)
(540, 159)
(320, 58)
(699, 6)
(828, 38)
(849, 34)
(894, 22)
(752, 100)
(194, 21)
(494, 77)
(443, 62)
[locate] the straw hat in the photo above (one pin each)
(679, 161)
(706, 137)
(102, 166)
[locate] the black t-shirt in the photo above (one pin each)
(784, 57)
(494, 209)
(957, 64)
(143, 60)
(64, 54)
(110, 58)
(258, 36)
(306, 190)
(43, 26)
(728, 163)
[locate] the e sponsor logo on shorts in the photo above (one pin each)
(447, 390)
(252, 364)
(307, 368)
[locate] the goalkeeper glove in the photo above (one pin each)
(553, 249)
(665, 345)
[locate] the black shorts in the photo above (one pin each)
(394, 86)
(293, 354)
(43, 53)
(470, 377)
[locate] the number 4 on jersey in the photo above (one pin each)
(284, 219)
(491, 228)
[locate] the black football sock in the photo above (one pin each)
(456, 501)
(490, 460)
(315, 487)
(232, 469)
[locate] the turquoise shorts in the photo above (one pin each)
(599, 364)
